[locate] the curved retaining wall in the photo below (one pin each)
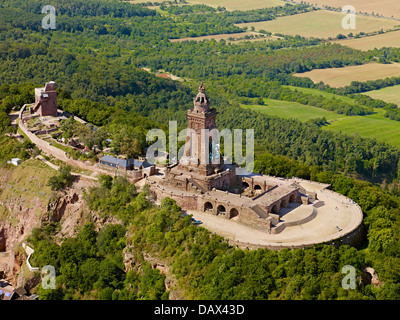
(353, 236)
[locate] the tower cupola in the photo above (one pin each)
(202, 102)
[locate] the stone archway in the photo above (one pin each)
(221, 210)
(208, 206)
(257, 187)
(233, 213)
(284, 203)
(275, 209)
(293, 198)
(245, 185)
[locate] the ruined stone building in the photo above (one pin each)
(46, 100)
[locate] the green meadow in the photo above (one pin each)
(388, 94)
(372, 126)
(287, 110)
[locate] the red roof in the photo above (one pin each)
(163, 75)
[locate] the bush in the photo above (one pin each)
(63, 179)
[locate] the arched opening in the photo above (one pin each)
(275, 209)
(292, 198)
(245, 185)
(257, 187)
(221, 210)
(284, 203)
(208, 206)
(233, 213)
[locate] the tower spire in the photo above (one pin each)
(202, 88)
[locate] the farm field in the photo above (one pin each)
(319, 24)
(371, 126)
(388, 94)
(236, 36)
(389, 39)
(386, 8)
(231, 5)
(292, 110)
(340, 77)
(325, 94)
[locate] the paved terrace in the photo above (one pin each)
(338, 217)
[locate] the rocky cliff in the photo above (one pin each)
(25, 202)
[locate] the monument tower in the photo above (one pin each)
(201, 149)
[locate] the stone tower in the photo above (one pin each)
(46, 100)
(201, 149)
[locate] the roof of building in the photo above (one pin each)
(139, 163)
(116, 161)
(125, 163)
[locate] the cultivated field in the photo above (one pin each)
(241, 36)
(320, 24)
(340, 77)
(389, 94)
(231, 4)
(325, 94)
(372, 126)
(389, 39)
(292, 110)
(240, 4)
(386, 8)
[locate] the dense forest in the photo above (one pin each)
(96, 56)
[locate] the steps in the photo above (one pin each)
(260, 211)
(198, 186)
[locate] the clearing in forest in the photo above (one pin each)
(239, 4)
(241, 36)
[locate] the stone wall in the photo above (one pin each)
(184, 200)
(62, 155)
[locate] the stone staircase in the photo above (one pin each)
(198, 186)
(260, 211)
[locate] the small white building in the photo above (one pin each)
(15, 161)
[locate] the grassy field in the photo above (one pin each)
(288, 110)
(389, 39)
(231, 4)
(27, 186)
(386, 8)
(328, 95)
(235, 36)
(340, 77)
(320, 24)
(240, 4)
(372, 126)
(389, 94)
